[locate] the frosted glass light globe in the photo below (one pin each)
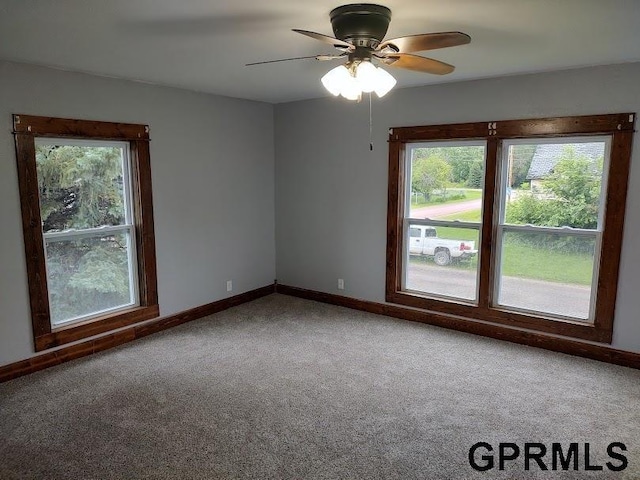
(384, 82)
(351, 89)
(335, 78)
(367, 76)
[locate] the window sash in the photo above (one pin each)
(437, 144)
(124, 147)
(71, 235)
(565, 231)
(554, 140)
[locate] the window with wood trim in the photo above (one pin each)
(85, 190)
(516, 222)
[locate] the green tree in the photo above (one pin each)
(571, 195)
(474, 176)
(82, 187)
(460, 170)
(461, 159)
(430, 174)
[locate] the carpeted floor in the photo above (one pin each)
(287, 388)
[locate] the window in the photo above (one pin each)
(525, 216)
(550, 224)
(443, 201)
(85, 190)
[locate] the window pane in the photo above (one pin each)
(555, 184)
(446, 184)
(445, 264)
(80, 186)
(547, 272)
(88, 275)
(446, 181)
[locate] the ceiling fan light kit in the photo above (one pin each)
(361, 77)
(359, 31)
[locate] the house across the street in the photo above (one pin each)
(547, 156)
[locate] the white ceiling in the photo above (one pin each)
(203, 44)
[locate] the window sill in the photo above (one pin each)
(567, 328)
(94, 326)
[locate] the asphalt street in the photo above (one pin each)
(550, 297)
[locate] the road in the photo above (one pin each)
(550, 297)
(437, 211)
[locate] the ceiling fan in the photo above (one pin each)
(359, 31)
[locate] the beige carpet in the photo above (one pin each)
(286, 388)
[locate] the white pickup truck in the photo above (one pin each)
(423, 240)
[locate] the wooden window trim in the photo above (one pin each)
(619, 126)
(26, 129)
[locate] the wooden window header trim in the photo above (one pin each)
(65, 127)
(591, 124)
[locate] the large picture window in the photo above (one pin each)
(86, 202)
(514, 222)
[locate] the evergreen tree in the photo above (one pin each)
(82, 187)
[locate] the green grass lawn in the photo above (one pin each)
(468, 216)
(460, 233)
(470, 194)
(525, 260)
(531, 262)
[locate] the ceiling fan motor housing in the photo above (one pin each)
(361, 24)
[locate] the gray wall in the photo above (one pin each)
(213, 187)
(213, 180)
(331, 191)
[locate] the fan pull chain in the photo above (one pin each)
(370, 125)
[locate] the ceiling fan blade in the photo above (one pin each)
(325, 38)
(317, 57)
(417, 63)
(425, 41)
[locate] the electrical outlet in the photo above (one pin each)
(229, 285)
(341, 284)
